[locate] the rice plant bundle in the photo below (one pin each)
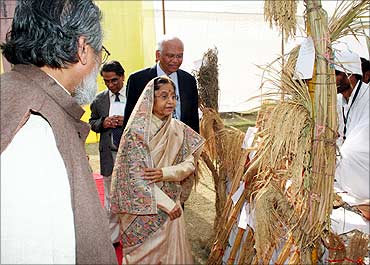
(297, 162)
(229, 214)
(207, 79)
(318, 195)
(310, 191)
(222, 154)
(281, 158)
(210, 124)
(283, 15)
(290, 179)
(229, 151)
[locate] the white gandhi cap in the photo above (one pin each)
(347, 62)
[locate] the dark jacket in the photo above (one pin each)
(99, 110)
(187, 89)
(26, 88)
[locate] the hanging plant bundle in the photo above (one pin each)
(289, 182)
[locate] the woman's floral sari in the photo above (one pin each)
(132, 197)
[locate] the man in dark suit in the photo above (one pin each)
(169, 55)
(107, 119)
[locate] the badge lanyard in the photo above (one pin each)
(345, 117)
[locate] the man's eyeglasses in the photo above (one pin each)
(105, 55)
(114, 81)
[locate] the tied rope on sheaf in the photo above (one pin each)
(359, 261)
(315, 7)
(320, 129)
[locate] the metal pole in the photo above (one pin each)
(163, 18)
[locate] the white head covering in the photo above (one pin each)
(347, 62)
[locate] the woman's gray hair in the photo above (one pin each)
(46, 32)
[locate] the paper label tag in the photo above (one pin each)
(306, 59)
(235, 197)
(117, 108)
(249, 136)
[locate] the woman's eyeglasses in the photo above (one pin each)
(166, 97)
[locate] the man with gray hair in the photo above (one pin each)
(50, 210)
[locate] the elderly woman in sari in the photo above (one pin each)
(152, 176)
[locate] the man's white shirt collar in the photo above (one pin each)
(161, 72)
(69, 93)
(121, 92)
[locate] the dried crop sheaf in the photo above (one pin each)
(207, 79)
(283, 15)
(283, 162)
(222, 153)
(291, 179)
(301, 134)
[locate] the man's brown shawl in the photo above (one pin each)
(27, 89)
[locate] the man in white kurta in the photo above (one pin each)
(352, 171)
(39, 228)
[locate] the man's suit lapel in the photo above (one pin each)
(105, 104)
(152, 72)
(149, 75)
(181, 83)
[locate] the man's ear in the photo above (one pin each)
(82, 50)
(157, 55)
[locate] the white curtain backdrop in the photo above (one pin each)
(242, 37)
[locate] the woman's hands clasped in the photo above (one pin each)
(156, 175)
(174, 213)
(153, 175)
